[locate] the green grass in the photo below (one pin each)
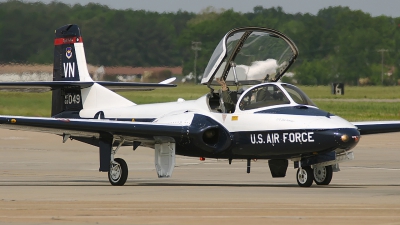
(353, 92)
(362, 111)
(39, 104)
(25, 104)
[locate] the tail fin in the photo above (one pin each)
(69, 65)
(69, 55)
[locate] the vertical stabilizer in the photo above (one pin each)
(69, 55)
(69, 65)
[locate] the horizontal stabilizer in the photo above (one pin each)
(40, 86)
(131, 86)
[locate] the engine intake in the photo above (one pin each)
(211, 136)
(208, 134)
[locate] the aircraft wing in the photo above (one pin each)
(377, 127)
(92, 129)
(188, 127)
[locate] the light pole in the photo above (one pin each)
(196, 47)
(382, 51)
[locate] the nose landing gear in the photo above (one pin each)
(323, 174)
(305, 176)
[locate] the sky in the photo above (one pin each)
(374, 7)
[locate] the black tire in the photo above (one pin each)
(118, 173)
(306, 178)
(323, 175)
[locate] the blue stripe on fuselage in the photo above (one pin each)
(296, 110)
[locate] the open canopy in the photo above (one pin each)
(250, 55)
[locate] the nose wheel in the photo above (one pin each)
(305, 176)
(118, 172)
(323, 174)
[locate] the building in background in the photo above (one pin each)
(20, 72)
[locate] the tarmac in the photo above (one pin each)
(45, 181)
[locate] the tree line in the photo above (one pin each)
(336, 45)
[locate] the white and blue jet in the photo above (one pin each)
(260, 118)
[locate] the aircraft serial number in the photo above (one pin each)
(276, 138)
(71, 99)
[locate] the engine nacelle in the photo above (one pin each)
(200, 130)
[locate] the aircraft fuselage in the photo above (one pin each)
(282, 131)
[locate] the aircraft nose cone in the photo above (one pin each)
(347, 138)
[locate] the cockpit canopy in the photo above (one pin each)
(272, 94)
(250, 55)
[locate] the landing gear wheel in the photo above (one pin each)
(305, 176)
(118, 172)
(323, 175)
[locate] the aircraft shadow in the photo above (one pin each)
(102, 183)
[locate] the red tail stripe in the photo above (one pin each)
(68, 40)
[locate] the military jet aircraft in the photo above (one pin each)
(260, 118)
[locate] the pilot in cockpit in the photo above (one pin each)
(263, 94)
(229, 97)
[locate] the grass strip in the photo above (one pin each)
(39, 104)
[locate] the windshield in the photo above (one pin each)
(297, 95)
(263, 96)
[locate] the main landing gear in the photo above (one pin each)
(118, 172)
(322, 175)
(118, 169)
